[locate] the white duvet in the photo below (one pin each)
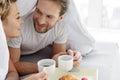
(4, 54)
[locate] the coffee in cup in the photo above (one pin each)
(48, 65)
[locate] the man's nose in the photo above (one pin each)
(42, 20)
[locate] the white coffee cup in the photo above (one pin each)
(48, 65)
(65, 62)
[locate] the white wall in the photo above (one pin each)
(95, 13)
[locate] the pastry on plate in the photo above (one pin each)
(68, 77)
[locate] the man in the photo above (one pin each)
(40, 29)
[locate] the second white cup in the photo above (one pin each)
(65, 62)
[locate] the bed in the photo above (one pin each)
(104, 57)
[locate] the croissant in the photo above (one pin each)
(68, 77)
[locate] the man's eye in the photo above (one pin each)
(49, 17)
(37, 10)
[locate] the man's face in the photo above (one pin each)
(46, 15)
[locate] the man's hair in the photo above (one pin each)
(5, 7)
(63, 4)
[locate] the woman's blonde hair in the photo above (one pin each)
(2, 6)
(5, 7)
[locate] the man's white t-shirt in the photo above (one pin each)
(30, 41)
(4, 54)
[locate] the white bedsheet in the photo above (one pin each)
(104, 57)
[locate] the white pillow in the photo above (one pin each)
(78, 38)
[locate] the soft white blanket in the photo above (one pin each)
(4, 54)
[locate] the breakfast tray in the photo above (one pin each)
(90, 74)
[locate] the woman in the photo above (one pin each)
(11, 22)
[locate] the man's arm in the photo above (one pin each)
(23, 68)
(58, 49)
(12, 73)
